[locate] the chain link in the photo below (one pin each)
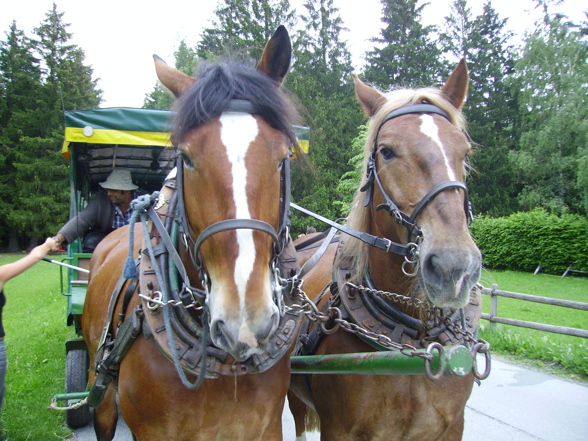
(156, 302)
(308, 308)
(333, 314)
(429, 309)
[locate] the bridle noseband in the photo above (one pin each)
(409, 222)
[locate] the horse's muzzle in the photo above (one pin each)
(243, 339)
(449, 276)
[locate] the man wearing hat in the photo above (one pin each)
(109, 210)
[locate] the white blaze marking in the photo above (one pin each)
(238, 130)
(429, 128)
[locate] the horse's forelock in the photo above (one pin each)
(222, 82)
(359, 216)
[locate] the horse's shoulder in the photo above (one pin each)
(114, 247)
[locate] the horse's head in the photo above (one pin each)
(233, 131)
(415, 159)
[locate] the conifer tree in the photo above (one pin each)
(44, 78)
(185, 61)
(244, 26)
(405, 54)
(321, 80)
(491, 107)
(20, 87)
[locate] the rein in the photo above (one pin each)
(375, 241)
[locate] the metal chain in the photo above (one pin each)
(333, 314)
(464, 333)
(426, 306)
(156, 302)
(430, 310)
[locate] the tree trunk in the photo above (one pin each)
(13, 243)
(33, 242)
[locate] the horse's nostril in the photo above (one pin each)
(218, 333)
(433, 265)
(269, 328)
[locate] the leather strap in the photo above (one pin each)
(234, 224)
(375, 241)
(310, 263)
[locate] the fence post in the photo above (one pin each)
(493, 305)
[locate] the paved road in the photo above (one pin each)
(514, 404)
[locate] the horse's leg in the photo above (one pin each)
(455, 431)
(106, 416)
(298, 410)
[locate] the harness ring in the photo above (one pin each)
(482, 348)
(428, 371)
(333, 313)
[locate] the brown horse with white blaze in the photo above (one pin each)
(233, 131)
(412, 197)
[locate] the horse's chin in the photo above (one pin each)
(242, 353)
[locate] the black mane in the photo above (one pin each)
(222, 82)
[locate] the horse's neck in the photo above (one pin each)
(386, 272)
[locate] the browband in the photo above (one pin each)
(416, 108)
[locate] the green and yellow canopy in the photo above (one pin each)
(117, 126)
(130, 126)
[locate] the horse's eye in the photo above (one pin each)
(387, 154)
(187, 161)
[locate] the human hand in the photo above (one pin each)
(52, 244)
(57, 241)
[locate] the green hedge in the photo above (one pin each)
(522, 241)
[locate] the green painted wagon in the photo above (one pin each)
(96, 140)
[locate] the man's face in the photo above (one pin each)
(117, 197)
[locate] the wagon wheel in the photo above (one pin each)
(76, 380)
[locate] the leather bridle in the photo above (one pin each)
(280, 237)
(409, 222)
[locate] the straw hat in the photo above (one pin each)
(119, 179)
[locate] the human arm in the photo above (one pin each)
(90, 216)
(13, 269)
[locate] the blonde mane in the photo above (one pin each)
(354, 250)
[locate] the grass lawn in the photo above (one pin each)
(35, 313)
(34, 321)
(564, 355)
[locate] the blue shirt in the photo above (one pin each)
(120, 219)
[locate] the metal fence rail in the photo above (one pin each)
(494, 293)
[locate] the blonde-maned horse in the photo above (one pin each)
(413, 194)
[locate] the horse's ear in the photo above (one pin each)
(369, 98)
(275, 60)
(173, 80)
(456, 87)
